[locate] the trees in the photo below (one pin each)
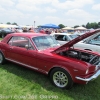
(8, 23)
(98, 24)
(89, 25)
(14, 23)
(93, 25)
(61, 25)
(76, 26)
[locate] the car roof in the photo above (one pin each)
(63, 33)
(28, 34)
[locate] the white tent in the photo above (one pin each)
(8, 26)
(68, 28)
(80, 28)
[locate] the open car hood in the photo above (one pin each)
(76, 40)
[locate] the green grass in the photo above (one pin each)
(0, 38)
(20, 83)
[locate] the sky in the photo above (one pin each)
(66, 12)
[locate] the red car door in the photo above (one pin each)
(19, 54)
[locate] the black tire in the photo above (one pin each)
(2, 58)
(64, 82)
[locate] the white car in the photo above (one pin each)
(92, 43)
(63, 37)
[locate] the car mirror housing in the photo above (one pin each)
(27, 46)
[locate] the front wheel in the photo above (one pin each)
(61, 78)
(2, 58)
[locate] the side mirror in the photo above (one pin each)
(27, 46)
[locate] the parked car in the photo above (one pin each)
(60, 37)
(64, 64)
(5, 31)
(91, 43)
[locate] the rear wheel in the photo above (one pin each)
(61, 78)
(2, 58)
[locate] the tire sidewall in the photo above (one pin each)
(70, 81)
(3, 58)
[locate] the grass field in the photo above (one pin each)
(20, 83)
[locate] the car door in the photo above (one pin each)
(17, 52)
(88, 46)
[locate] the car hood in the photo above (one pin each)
(76, 40)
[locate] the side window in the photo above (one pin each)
(61, 37)
(20, 42)
(95, 41)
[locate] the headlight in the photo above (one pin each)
(87, 71)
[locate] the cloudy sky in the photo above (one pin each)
(67, 12)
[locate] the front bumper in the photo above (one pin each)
(90, 78)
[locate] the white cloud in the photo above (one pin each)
(50, 10)
(32, 5)
(27, 8)
(96, 7)
(52, 19)
(33, 2)
(2, 10)
(80, 14)
(69, 4)
(7, 2)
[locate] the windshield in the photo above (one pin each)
(73, 36)
(44, 42)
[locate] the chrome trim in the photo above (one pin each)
(27, 65)
(90, 78)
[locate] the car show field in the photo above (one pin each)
(24, 83)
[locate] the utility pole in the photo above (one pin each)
(34, 24)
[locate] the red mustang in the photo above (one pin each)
(64, 65)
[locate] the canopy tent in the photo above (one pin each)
(8, 26)
(68, 28)
(26, 26)
(49, 26)
(80, 28)
(3, 25)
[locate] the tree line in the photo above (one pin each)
(10, 23)
(89, 25)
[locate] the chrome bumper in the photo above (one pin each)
(90, 78)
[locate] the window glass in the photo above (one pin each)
(73, 36)
(95, 41)
(20, 42)
(61, 37)
(43, 42)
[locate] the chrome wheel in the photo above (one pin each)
(60, 79)
(1, 58)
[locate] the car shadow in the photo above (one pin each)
(77, 91)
